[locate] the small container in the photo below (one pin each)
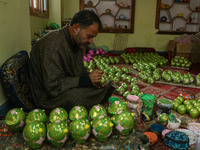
(152, 137)
(176, 140)
(192, 136)
(165, 131)
(157, 129)
(163, 106)
(148, 106)
(174, 125)
(145, 140)
(196, 128)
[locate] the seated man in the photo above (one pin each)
(58, 76)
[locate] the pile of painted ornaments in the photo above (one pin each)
(78, 124)
(119, 76)
(91, 53)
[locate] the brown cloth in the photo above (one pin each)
(56, 64)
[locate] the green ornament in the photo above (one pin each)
(96, 111)
(80, 130)
(163, 119)
(15, 119)
(113, 98)
(36, 115)
(58, 114)
(34, 134)
(116, 106)
(57, 133)
(124, 121)
(78, 112)
(102, 128)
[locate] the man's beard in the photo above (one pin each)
(79, 42)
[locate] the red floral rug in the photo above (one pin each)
(161, 91)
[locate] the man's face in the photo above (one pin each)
(84, 36)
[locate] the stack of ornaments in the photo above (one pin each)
(79, 124)
(91, 53)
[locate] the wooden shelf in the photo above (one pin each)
(165, 22)
(122, 19)
(181, 2)
(174, 20)
(193, 23)
(110, 14)
(174, 32)
(116, 11)
(90, 7)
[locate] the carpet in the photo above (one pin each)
(9, 140)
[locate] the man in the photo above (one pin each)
(58, 77)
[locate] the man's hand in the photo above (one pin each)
(95, 77)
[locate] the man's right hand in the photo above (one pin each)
(95, 77)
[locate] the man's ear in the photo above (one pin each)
(76, 28)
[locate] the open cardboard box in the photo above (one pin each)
(179, 49)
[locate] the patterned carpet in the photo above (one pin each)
(9, 140)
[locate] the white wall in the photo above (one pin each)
(14, 30)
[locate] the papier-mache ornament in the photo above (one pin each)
(15, 119)
(96, 111)
(34, 134)
(80, 130)
(57, 133)
(78, 112)
(58, 114)
(36, 115)
(116, 106)
(163, 119)
(102, 128)
(123, 121)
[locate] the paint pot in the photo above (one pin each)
(163, 106)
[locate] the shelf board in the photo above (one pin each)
(164, 8)
(181, 2)
(90, 7)
(110, 14)
(178, 17)
(122, 19)
(128, 7)
(165, 22)
(116, 30)
(193, 23)
(174, 32)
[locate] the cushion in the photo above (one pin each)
(14, 75)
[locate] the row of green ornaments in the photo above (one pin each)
(36, 129)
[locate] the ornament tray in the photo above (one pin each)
(192, 85)
(135, 72)
(179, 67)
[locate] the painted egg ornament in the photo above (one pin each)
(116, 106)
(113, 98)
(34, 134)
(58, 114)
(163, 119)
(187, 95)
(102, 128)
(78, 112)
(123, 121)
(96, 111)
(36, 115)
(15, 119)
(57, 133)
(80, 130)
